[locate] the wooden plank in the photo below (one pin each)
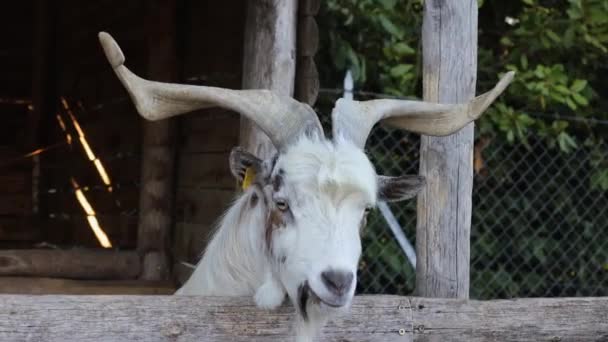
(102, 201)
(79, 13)
(14, 163)
(13, 182)
(205, 171)
(19, 229)
(217, 24)
(46, 286)
(42, 80)
(75, 230)
(209, 131)
(59, 167)
(202, 206)
(371, 318)
(269, 60)
(531, 319)
(156, 196)
(16, 204)
(74, 263)
(449, 40)
(115, 134)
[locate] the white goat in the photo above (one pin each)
(296, 230)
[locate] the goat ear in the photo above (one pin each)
(240, 161)
(394, 189)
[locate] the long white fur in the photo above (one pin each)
(329, 184)
(233, 263)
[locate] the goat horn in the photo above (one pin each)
(354, 119)
(280, 117)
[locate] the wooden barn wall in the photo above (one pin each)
(16, 38)
(212, 55)
(108, 119)
(210, 41)
(16, 201)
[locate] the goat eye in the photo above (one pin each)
(367, 210)
(281, 204)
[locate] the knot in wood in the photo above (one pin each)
(173, 329)
(6, 261)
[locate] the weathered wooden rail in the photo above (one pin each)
(372, 318)
(78, 263)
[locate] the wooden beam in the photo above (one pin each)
(371, 318)
(449, 41)
(73, 263)
(19, 228)
(42, 73)
(268, 61)
(47, 286)
(307, 77)
(157, 167)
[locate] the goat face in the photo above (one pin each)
(316, 195)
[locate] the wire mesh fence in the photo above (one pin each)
(539, 224)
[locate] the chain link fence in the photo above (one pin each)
(539, 224)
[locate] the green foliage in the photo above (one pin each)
(539, 225)
(599, 165)
(523, 234)
(376, 40)
(557, 48)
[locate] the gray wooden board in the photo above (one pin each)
(74, 263)
(46, 286)
(449, 48)
(371, 318)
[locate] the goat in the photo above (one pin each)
(295, 230)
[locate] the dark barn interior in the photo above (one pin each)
(71, 141)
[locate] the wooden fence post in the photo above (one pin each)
(307, 78)
(42, 71)
(268, 61)
(156, 192)
(449, 41)
(370, 318)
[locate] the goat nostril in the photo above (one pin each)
(337, 282)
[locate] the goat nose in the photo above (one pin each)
(337, 282)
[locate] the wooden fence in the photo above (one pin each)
(371, 318)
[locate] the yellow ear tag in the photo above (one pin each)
(249, 177)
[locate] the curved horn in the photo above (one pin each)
(354, 120)
(280, 117)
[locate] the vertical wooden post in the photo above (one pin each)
(42, 82)
(43, 94)
(269, 60)
(156, 194)
(449, 41)
(307, 77)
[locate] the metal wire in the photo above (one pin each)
(368, 94)
(539, 224)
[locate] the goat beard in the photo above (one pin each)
(307, 298)
(312, 315)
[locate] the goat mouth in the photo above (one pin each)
(306, 294)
